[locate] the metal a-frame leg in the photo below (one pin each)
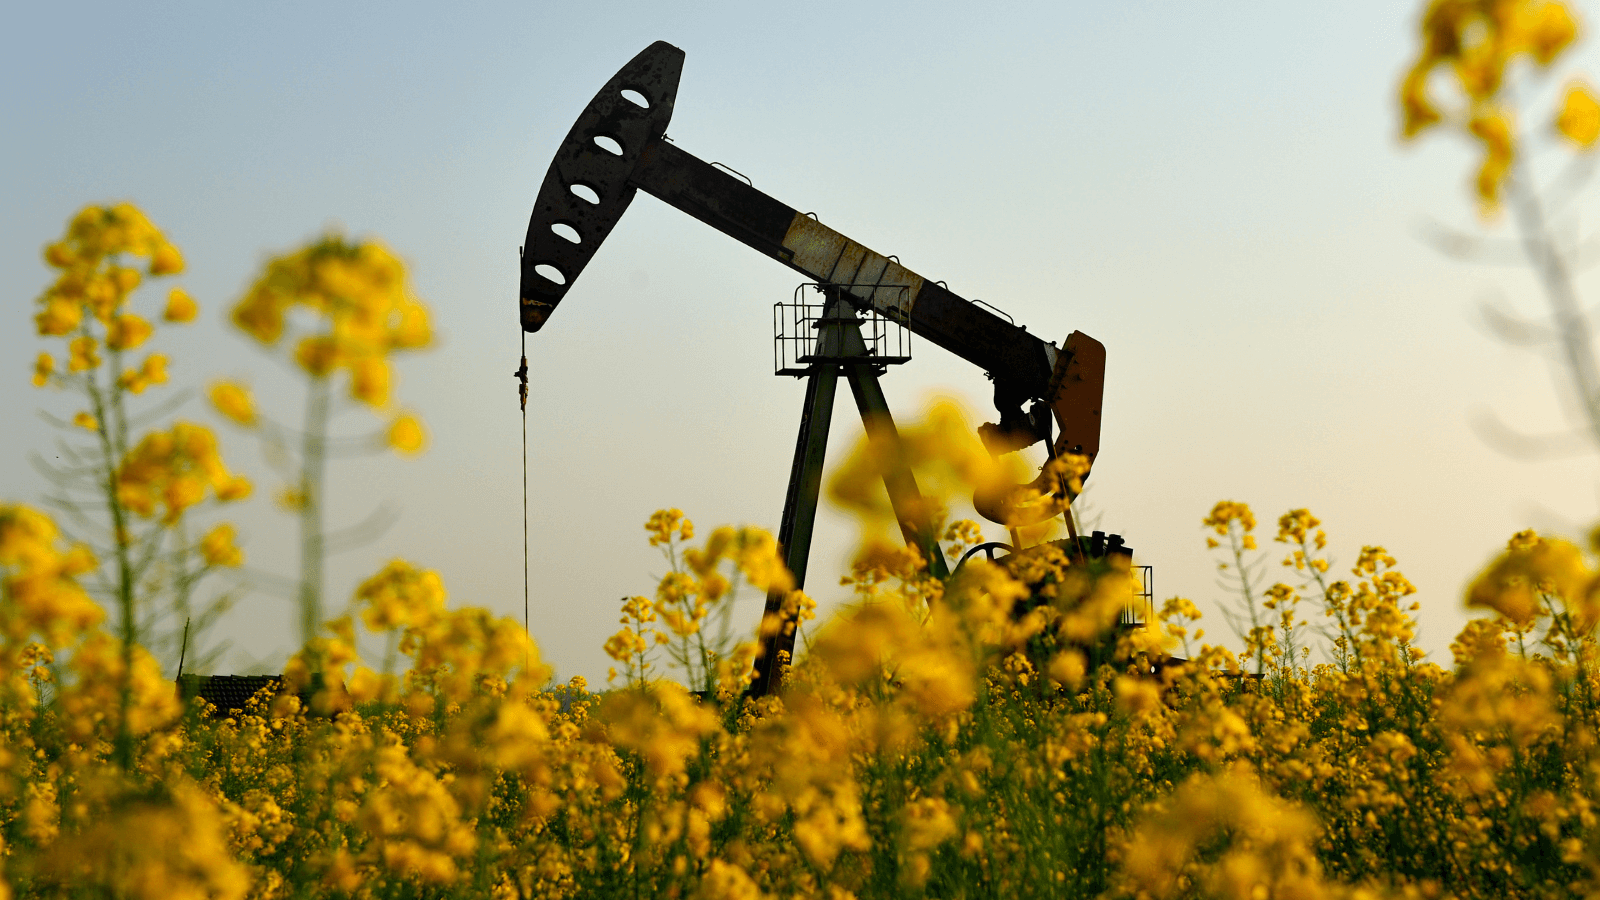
(904, 496)
(799, 520)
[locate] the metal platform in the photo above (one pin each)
(796, 325)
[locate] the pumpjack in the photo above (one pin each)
(619, 146)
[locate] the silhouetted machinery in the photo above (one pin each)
(618, 146)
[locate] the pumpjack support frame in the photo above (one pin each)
(839, 350)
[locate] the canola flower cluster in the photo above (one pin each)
(131, 494)
(362, 310)
(1467, 75)
(997, 735)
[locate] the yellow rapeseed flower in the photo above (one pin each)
(369, 380)
(1547, 28)
(317, 355)
(624, 645)
(233, 400)
(1067, 669)
(166, 261)
(83, 354)
(291, 499)
(154, 370)
(174, 469)
(401, 596)
(43, 368)
(236, 488)
(132, 381)
(927, 823)
(1513, 582)
(363, 310)
(86, 421)
(218, 547)
(1225, 513)
(1478, 42)
(180, 306)
(58, 317)
(1579, 119)
(1493, 129)
(662, 524)
(1418, 112)
(40, 585)
(59, 255)
(406, 434)
(155, 846)
(1137, 697)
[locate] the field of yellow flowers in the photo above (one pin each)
(996, 734)
(1001, 733)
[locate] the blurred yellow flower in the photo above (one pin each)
(233, 400)
(1548, 28)
(1137, 697)
(43, 368)
(1579, 119)
(1531, 566)
(1067, 669)
(166, 261)
(236, 488)
(83, 354)
(180, 306)
(411, 330)
(927, 823)
(174, 469)
(58, 317)
(1477, 42)
(59, 255)
(369, 380)
(218, 547)
(1493, 129)
(362, 303)
(726, 881)
(86, 421)
(317, 355)
(406, 435)
(1418, 112)
(163, 845)
(401, 596)
(133, 381)
(42, 594)
(155, 368)
(1261, 846)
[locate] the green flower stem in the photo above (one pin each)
(313, 461)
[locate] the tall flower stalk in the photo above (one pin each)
(338, 309)
(1489, 55)
(109, 486)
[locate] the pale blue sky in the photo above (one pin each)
(1217, 195)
